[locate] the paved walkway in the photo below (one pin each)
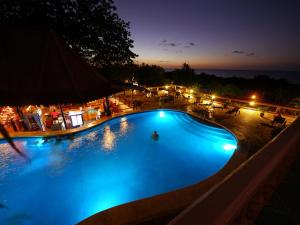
(252, 130)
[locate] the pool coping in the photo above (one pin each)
(148, 210)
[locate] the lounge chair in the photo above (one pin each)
(234, 110)
(279, 120)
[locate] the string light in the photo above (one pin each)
(6, 114)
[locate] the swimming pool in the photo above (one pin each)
(111, 164)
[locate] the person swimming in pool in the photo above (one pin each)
(155, 135)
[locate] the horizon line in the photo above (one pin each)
(269, 70)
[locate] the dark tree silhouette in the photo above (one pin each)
(267, 88)
(5, 134)
(119, 72)
(231, 91)
(187, 69)
(91, 27)
(149, 74)
(185, 75)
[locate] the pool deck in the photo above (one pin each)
(252, 131)
(50, 133)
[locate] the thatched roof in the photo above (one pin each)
(36, 67)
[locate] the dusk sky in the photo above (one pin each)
(215, 34)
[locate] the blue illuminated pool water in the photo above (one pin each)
(114, 163)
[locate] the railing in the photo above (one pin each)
(263, 106)
(245, 103)
(241, 195)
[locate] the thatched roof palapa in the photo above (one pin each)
(36, 67)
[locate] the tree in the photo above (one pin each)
(295, 102)
(197, 87)
(281, 95)
(119, 72)
(231, 90)
(91, 27)
(214, 86)
(149, 74)
(185, 75)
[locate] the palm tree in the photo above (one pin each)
(7, 137)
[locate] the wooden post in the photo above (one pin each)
(63, 116)
(21, 115)
(108, 112)
(132, 97)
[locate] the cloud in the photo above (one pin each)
(241, 52)
(163, 61)
(167, 43)
(190, 44)
(173, 44)
(238, 52)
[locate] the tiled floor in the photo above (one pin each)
(252, 130)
